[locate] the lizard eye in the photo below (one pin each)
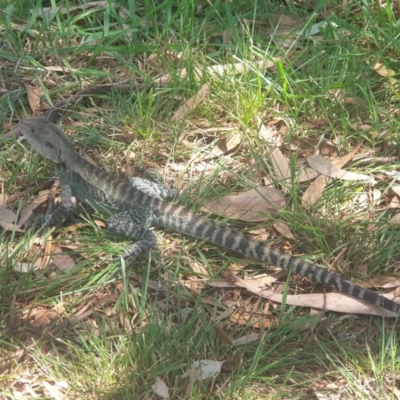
(48, 145)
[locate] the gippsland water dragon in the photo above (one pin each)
(143, 204)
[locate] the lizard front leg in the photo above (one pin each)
(133, 224)
(68, 204)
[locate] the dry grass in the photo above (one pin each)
(74, 327)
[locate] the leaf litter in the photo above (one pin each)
(238, 208)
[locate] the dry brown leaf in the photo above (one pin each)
(283, 171)
(330, 301)
(280, 164)
(315, 190)
(203, 369)
(54, 391)
(7, 217)
(247, 206)
(224, 315)
(270, 133)
(43, 317)
(386, 282)
(27, 211)
(327, 168)
(192, 103)
(263, 280)
(395, 219)
(305, 174)
(61, 259)
(160, 388)
(395, 203)
(58, 68)
(220, 283)
(395, 190)
(251, 337)
(250, 319)
(33, 99)
(382, 70)
(199, 269)
(224, 146)
(328, 149)
(24, 268)
(306, 145)
(3, 199)
(341, 162)
(284, 230)
(283, 24)
(286, 20)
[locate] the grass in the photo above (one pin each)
(90, 334)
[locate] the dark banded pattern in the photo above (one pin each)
(181, 220)
(139, 210)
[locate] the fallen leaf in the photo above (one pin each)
(284, 230)
(204, 369)
(62, 260)
(382, 70)
(192, 103)
(225, 314)
(224, 146)
(280, 164)
(315, 190)
(337, 302)
(199, 269)
(220, 283)
(305, 174)
(251, 337)
(328, 149)
(3, 199)
(395, 219)
(247, 206)
(54, 392)
(395, 203)
(327, 168)
(318, 28)
(43, 317)
(33, 99)
(160, 388)
(250, 319)
(7, 217)
(395, 190)
(284, 24)
(27, 211)
(386, 282)
(59, 68)
(24, 268)
(269, 134)
(263, 280)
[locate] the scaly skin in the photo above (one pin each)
(137, 208)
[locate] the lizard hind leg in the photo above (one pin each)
(133, 224)
(153, 189)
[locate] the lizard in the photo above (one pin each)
(137, 206)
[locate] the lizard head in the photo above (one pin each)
(47, 138)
